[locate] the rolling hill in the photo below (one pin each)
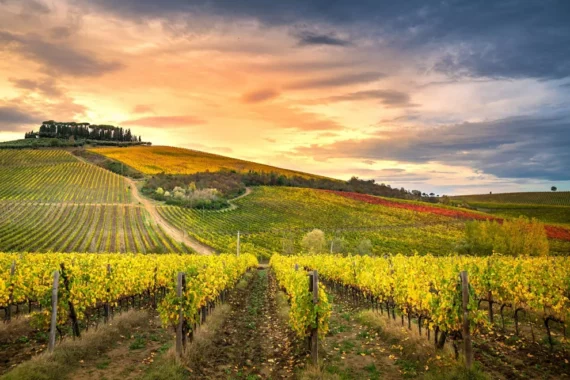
(549, 207)
(171, 160)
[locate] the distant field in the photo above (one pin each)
(560, 198)
(276, 218)
(170, 160)
(549, 207)
(50, 176)
(27, 227)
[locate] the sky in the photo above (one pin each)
(450, 97)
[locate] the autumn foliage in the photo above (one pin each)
(553, 232)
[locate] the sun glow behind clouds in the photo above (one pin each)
(278, 93)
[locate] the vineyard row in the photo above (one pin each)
(29, 227)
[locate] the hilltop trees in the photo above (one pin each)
(553, 188)
(67, 130)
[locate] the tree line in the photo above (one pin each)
(68, 130)
(231, 183)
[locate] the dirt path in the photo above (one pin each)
(355, 351)
(252, 342)
(234, 206)
(130, 356)
(170, 230)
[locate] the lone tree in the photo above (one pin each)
(314, 241)
(553, 188)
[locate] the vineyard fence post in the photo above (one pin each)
(107, 307)
(9, 307)
(53, 325)
(314, 338)
(180, 337)
(238, 243)
(468, 349)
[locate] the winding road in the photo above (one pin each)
(176, 234)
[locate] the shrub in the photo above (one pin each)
(314, 241)
(159, 191)
(364, 247)
(514, 237)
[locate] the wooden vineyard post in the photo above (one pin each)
(107, 307)
(53, 325)
(9, 307)
(466, 333)
(238, 243)
(314, 337)
(180, 336)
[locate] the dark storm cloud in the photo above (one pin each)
(513, 39)
(12, 118)
(336, 81)
(310, 38)
(56, 58)
(521, 147)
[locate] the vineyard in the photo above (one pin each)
(55, 176)
(81, 228)
(171, 160)
(273, 219)
(94, 281)
(561, 198)
(426, 288)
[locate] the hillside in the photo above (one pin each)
(171, 160)
(559, 198)
(549, 207)
(51, 201)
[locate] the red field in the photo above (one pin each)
(553, 232)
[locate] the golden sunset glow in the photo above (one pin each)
(321, 97)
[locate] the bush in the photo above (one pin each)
(514, 237)
(314, 241)
(364, 247)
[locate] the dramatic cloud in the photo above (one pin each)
(353, 83)
(511, 39)
(310, 38)
(337, 81)
(13, 118)
(166, 121)
(260, 96)
(518, 147)
(46, 87)
(389, 98)
(56, 58)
